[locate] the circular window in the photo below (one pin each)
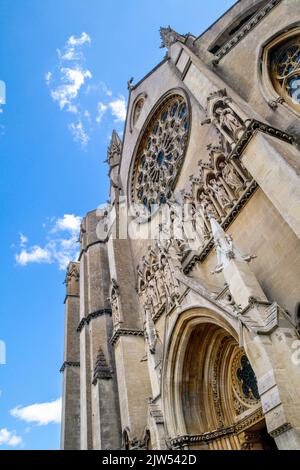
(161, 153)
(285, 71)
(244, 380)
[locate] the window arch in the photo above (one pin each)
(281, 64)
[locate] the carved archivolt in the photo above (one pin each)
(210, 389)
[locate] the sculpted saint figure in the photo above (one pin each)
(220, 192)
(228, 120)
(231, 177)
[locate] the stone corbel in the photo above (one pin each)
(260, 317)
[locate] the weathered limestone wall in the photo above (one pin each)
(133, 384)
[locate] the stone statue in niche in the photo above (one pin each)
(220, 193)
(229, 122)
(199, 223)
(150, 330)
(207, 206)
(231, 178)
(114, 300)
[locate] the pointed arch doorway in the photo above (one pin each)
(211, 397)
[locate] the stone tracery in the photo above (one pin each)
(161, 152)
(285, 70)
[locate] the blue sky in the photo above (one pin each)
(65, 64)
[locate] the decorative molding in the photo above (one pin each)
(253, 127)
(244, 30)
(86, 320)
(69, 364)
(125, 332)
(285, 427)
(180, 441)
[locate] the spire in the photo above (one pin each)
(225, 248)
(114, 149)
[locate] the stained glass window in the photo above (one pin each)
(285, 71)
(161, 152)
(246, 376)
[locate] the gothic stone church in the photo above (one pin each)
(186, 336)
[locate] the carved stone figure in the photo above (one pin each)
(150, 331)
(229, 121)
(114, 300)
(230, 177)
(207, 206)
(220, 193)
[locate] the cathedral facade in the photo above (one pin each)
(182, 312)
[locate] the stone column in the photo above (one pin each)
(269, 340)
(70, 425)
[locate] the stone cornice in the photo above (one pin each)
(71, 295)
(285, 427)
(85, 249)
(253, 127)
(86, 320)
(244, 30)
(69, 364)
(125, 332)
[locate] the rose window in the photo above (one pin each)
(161, 153)
(285, 71)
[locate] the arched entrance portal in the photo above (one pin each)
(216, 403)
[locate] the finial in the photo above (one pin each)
(169, 37)
(130, 84)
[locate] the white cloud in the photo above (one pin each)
(73, 80)
(101, 109)
(39, 413)
(70, 84)
(68, 80)
(84, 38)
(61, 245)
(35, 254)
(79, 134)
(72, 108)
(10, 438)
(68, 222)
(118, 108)
(48, 77)
(23, 239)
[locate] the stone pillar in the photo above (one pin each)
(269, 339)
(105, 402)
(101, 426)
(70, 425)
(85, 361)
